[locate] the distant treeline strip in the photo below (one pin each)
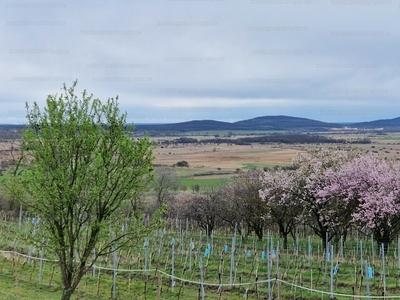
(275, 138)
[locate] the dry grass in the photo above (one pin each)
(204, 158)
(224, 156)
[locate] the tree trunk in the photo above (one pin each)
(210, 230)
(67, 293)
(259, 232)
(285, 240)
(69, 282)
(323, 237)
(385, 243)
(284, 234)
(382, 235)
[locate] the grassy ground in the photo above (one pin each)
(19, 277)
(261, 166)
(12, 288)
(204, 183)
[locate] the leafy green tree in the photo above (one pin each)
(81, 166)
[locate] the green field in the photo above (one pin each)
(190, 172)
(261, 166)
(204, 183)
(386, 138)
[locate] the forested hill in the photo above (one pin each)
(285, 123)
(196, 125)
(261, 123)
(272, 123)
(383, 124)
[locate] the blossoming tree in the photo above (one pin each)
(280, 191)
(372, 187)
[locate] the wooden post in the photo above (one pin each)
(331, 279)
(41, 261)
(159, 284)
(279, 286)
(269, 276)
(15, 271)
(114, 286)
(383, 269)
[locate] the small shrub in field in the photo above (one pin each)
(182, 163)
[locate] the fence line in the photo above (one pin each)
(215, 284)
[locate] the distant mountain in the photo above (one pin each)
(386, 124)
(275, 123)
(11, 131)
(195, 125)
(266, 123)
(285, 123)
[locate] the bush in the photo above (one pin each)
(182, 163)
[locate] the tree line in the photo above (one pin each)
(284, 138)
(329, 190)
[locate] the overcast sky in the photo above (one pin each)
(179, 60)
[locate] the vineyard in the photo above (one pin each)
(104, 220)
(183, 262)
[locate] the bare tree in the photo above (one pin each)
(244, 204)
(165, 182)
(203, 208)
